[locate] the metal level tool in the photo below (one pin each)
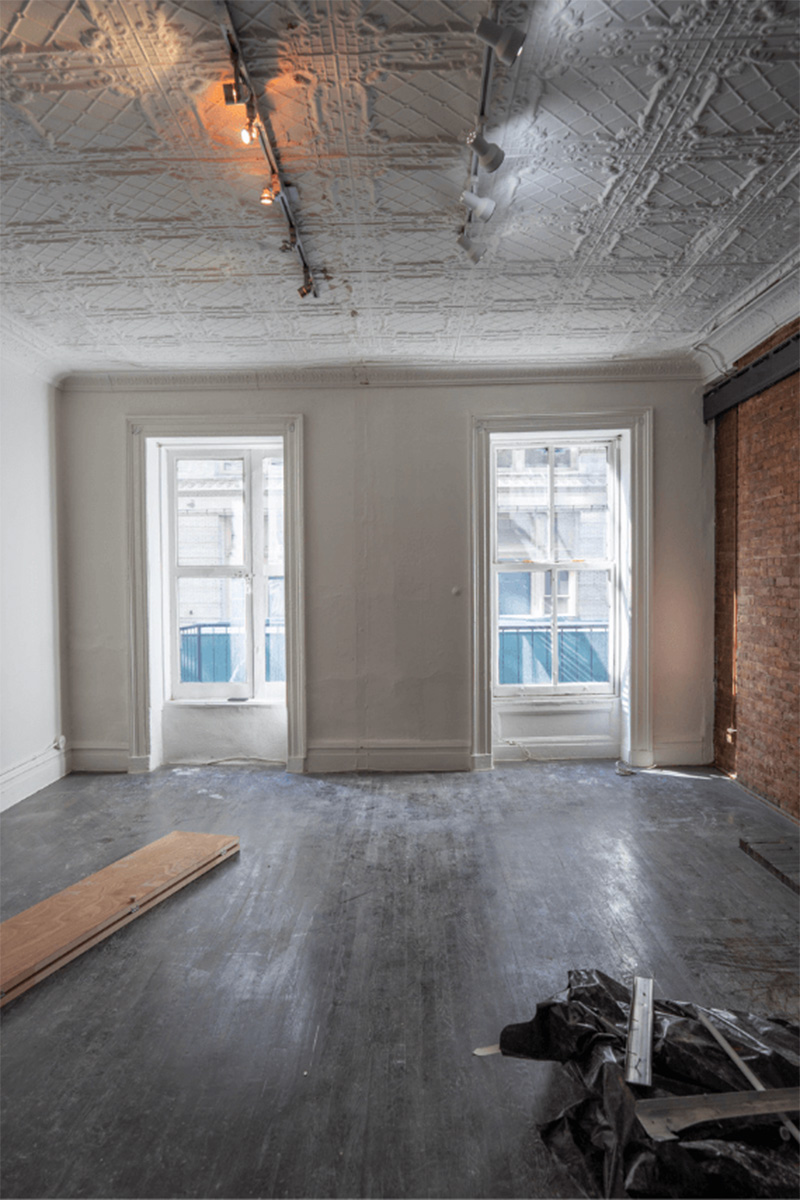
(639, 1049)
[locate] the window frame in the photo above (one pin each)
(253, 571)
(520, 442)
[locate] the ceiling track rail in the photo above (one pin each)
(265, 140)
(483, 115)
(764, 373)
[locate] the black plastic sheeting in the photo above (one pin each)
(600, 1141)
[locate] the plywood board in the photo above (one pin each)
(43, 938)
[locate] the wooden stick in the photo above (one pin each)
(743, 1067)
(664, 1117)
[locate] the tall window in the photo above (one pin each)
(555, 555)
(226, 594)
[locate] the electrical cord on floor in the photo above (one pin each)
(220, 762)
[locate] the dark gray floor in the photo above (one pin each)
(300, 1022)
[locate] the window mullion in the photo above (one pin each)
(258, 574)
(551, 453)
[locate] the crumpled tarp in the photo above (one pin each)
(600, 1141)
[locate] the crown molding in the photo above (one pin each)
(382, 375)
(768, 305)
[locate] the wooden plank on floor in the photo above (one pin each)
(779, 857)
(45, 937)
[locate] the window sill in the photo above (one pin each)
(222, 702)
(538, 703)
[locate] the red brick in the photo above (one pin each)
(757, 633)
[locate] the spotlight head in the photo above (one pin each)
(306, 289)
(482, 206)
(249, 133)
(473, 253)
(489, 154)
(231, 93)
(267, 196)
(506, 41)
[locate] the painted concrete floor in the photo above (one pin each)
(300, 1022)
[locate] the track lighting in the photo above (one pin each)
(489, 154)
(270, 192)
(250, 133)
(258, 131)
(482, 206)
(474, 254)
(506, 41)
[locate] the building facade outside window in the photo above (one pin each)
(555, 552)
(226, 572)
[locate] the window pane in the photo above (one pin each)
(514, 593)
(522, 507)
(210, 512)
(524, 627)
(583, 635)
(581, 502)
(273, 512)
(211, 620)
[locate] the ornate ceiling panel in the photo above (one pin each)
(648, 191)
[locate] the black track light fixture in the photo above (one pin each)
(506, 41)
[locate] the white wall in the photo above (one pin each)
(387, 558)
(30, 725)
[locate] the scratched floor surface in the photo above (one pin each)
(300, 1022)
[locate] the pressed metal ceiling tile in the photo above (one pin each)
(650, 177)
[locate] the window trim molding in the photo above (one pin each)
(610, 565)
(139, 430)
(637, 737)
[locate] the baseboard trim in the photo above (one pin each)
(696, 753)
(98, 759)
(325, 758)
(26, 778)
(552, 749)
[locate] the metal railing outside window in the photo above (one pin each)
(525, 653)
(206, 651)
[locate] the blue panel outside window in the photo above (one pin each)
(525, 656)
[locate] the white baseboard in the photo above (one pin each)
(111, 759)
(139, 764)
(22, 780)
(325, 758)
(697, 753)
(554, 748)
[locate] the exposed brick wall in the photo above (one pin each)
(757, 639)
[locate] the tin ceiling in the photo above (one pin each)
(647, 196)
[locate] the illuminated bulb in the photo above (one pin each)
(248, 133)
(267, 196)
